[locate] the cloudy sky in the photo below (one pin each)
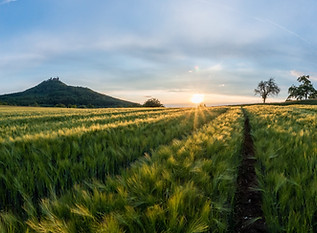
(168, 49)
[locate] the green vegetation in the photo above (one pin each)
(153, 102)
(286, 147)
(304, 91)
(187, 186)
(48, 151)
(153, 169)
(53, 92)
(297, 102)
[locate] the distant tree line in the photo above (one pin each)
(153, 102)
(304, 91)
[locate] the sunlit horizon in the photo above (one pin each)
(136, 50)
(197, 98)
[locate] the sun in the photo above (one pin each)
(197, 98)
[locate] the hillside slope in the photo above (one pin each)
(52, 92)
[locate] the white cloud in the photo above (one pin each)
(312, 76)
(234, 50)
(284, 29)
(19, 60)
(7, 1)
(217, 67)
(296, 73)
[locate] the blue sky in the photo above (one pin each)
(168, 49)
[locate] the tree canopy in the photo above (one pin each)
(153, 102)
(304, 91)
(267, 88)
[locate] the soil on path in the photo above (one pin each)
(248, 213)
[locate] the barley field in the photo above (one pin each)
(153, 169)
(286, 147)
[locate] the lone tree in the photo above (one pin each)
(304, 91)
(153, 103)
(267, 88)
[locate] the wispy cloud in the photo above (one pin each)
(7, 1)
(194, 45)
(296, 73)
(283, 29)
(312, 75)
(217, 67)
(262, 20)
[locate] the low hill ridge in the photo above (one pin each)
(54, 92)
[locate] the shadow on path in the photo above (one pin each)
(248, 215)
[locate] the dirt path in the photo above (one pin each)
(248, 214)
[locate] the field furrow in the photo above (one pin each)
(286, 147)
(248, 214)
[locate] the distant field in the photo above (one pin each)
(153, 169)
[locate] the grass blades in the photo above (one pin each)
(34, 167)
(187, 186)
(286, 147)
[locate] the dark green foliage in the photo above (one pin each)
(54, 92)
(306, 102)
(60, 105)
(304, 91)
(72, 106)
(153, 102)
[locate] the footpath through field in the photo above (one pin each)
(248, 214)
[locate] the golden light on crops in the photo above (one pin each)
(197, 98)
